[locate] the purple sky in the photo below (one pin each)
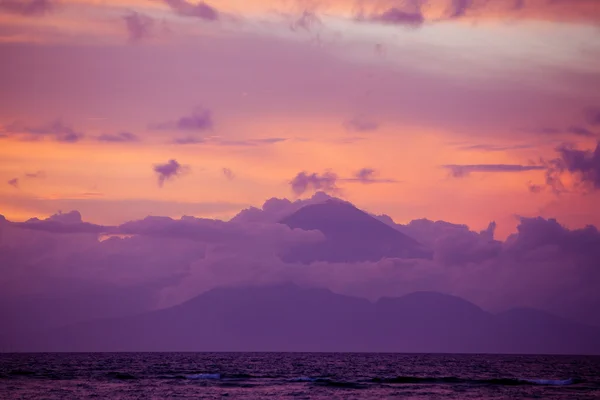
(160, 142)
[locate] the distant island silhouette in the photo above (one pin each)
(290, 318)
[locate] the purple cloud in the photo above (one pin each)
(307, 21)
(169, 171)
(199, 120)
(58, 130)
(396, 16)
(138, 25)
(228, 173)
(37, 174)
(189, 140)
(181, 258)
(366, 176)
(198, 10)
(304, 181)
(580, 131)
(494, 147)
(459, 8)
(359, 124)
(249, 142)
(69, 222)
(28, 8)
(14, 182)
(584, 164)
(121, 137)
(459, 171)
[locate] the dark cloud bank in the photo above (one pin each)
(62, 270)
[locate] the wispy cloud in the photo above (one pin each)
(197, 10)
(138, 25)
(28, 8)
(494, 147)
(121, 137)
(368, 176)
(199, 120)
(56, 130)
(361, 124)
(14, 182)
(396, 16)
(459, 171)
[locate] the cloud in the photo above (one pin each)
(217, 141)
(197, 10)
(57, 130)
(304, 181)
(395, 16)
(28, 8)
(543, 265)
(247, 142)
(494, 147)
(584, 165)
(14, 182)
(366, 176)
(459, 171)
(121, 137)
(189, 140)
(361, 124)
(169, 171)
(275, 209)
(458, 8)
(62, 223)
(580, 131)
(231, 234)
(138, 25)
(37, 174)
(199, 120)
(228, 174)
(307, 21)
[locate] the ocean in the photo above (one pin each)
(297, 376)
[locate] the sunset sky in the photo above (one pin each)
(463, 111)
(149, 150)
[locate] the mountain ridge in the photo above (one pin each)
(290, 318)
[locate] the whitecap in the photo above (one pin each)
(556, 382)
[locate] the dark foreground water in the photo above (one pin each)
(296, 375)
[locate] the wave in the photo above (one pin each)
(492, 381)
(338, 384)
(303, 379)
(557, 382)
(204, 376)
(121, 376)
(21, 372)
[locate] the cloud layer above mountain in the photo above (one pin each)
(160, 261)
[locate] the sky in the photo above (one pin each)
(463, 111)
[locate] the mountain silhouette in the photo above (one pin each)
(289, 318)
(351, 235)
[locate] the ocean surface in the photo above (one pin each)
(297, 376)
